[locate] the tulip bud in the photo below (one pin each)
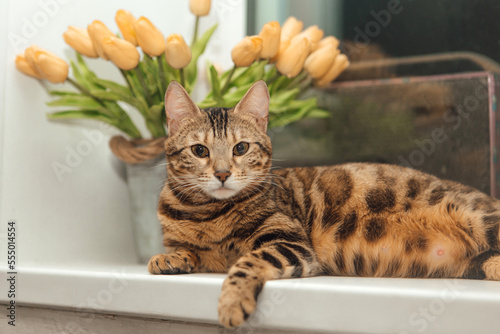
(30, 56)
(23, 66)
(270, 35)
(121, 52)
(199, 7)
(97, 31)
(125, 22)
(329, 40)
(291, 61)
(291, 28)
(340, 64)
(79, 39)
(313, 34)
(320, 61)
(149, 38)
(46, 64)
(284, 43)
(246, 51)
(177, 52)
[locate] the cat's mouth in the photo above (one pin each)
(223, 192)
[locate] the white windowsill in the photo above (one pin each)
(326, 304)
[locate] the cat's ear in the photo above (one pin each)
(255, 103)
(178, 106)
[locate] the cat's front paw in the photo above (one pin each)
(237, 301)
(170, 264)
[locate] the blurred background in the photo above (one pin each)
(417, 68)
(418, 27)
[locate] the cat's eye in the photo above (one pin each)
(240, 148)
(200, 151)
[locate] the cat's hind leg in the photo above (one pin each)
(484, 266)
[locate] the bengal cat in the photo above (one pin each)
(223, 210)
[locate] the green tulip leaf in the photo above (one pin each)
(75, 101)
(319, 113)
(215, 83)
(80, 113)
(197, 50)
(270, 74)
(284, 96)
(87, 75)
(114, 87)
(157, 109)
(63, 93)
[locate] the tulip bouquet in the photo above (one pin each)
(290, 61)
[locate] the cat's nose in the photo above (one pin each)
(222, 175)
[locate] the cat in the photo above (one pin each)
(222, 210)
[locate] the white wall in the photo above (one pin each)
(83, 218)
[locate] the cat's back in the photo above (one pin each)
(380, 187)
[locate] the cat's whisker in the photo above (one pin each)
(161, 185)
(186, 191)
(160, 164)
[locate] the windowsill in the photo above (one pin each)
(334, 304)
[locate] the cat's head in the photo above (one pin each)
(217, 153)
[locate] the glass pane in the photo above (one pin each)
(421, 89)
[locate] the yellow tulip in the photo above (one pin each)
(284, 43)
(79, 39)
(340, 64)
(125, 22)
(246, 51)
(23, 66)
(199, 7)
(46, 64)
(291, 60)
(121, 52)
(320, 61)
(177, 52)
(291, 28)
(97, 32)
(329, 40)
(29, 55)
(270, 35)
(313, 34)
(149, 38)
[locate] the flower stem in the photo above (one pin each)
(85, 91)
(228, 81)
(144, 87)
(297, 80)
(129, 84)
(273, 78)
(163, 75)
(195, 34)
(304, 84)
(182, 75)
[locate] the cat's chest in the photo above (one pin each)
(213, 242)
